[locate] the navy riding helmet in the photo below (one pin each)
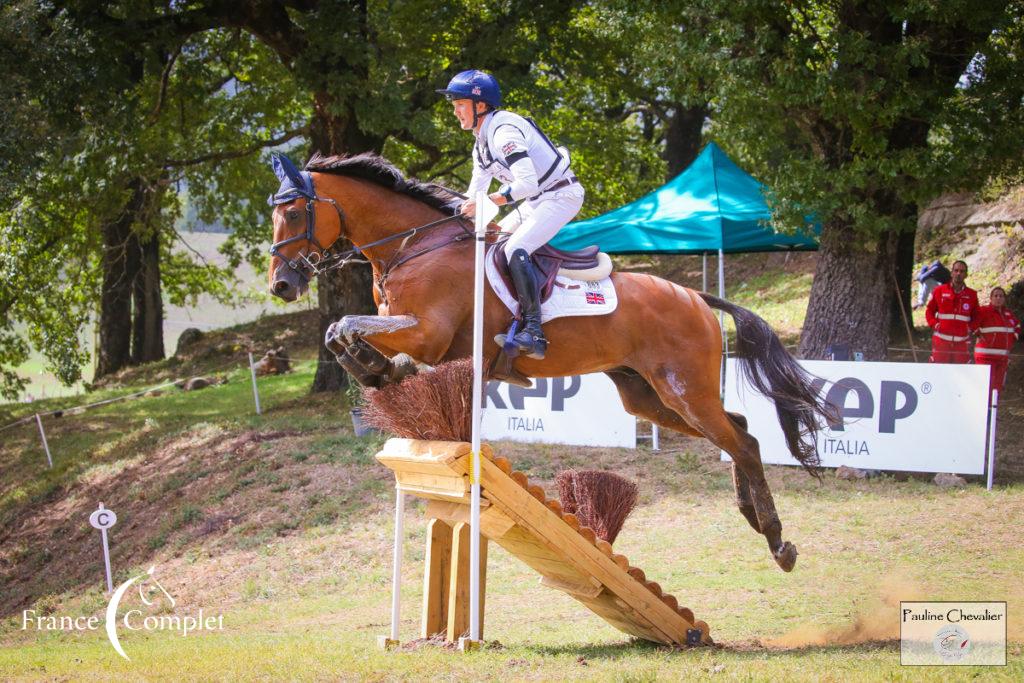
(474, 85)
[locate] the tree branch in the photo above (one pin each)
(235, 154)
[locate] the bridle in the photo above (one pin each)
(309, 263)
(312, 262)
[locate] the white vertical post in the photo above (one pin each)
(992, 438)
(46, 446)
(396, 563)
(655, 444)
(721, 317)
(485, 211)
(103, 519)
(255, 391)
(704, 277)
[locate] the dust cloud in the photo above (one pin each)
(877, 620)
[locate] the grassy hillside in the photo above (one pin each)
(282, 524)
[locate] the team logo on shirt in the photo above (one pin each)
(967, 306)
(508, 148)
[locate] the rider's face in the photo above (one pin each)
(464, 113)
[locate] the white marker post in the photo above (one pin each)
(103, 519)
(255, 391)
(396, 572)
(46, 446)
(486, 210)
(992, 438)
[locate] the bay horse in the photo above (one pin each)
(662, 346)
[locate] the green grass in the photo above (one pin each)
(290, 539)
(284, 621)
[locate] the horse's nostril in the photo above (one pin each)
(280, 287)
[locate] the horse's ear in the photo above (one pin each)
(285, 169)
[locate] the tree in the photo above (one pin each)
(857, 112)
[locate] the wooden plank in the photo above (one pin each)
(436, 575)
(530, 514)
(417, 450)
(584, 590)
(493, 522)
(451, 487)
(458, 593)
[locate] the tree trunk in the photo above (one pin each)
(148, 321)
(851, 295)
(683, 137)
(349, 290)
(120, 264)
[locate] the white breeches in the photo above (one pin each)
(535, 223)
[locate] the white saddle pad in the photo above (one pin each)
(569, 297)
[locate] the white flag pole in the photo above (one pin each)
(486, 210)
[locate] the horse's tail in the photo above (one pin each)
(773, 372)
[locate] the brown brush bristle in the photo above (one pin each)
(434, 406)
(601, 500)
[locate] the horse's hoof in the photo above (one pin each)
(786, 556)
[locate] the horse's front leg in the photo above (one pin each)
(347, 339)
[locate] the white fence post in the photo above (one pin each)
(255, 391)
(46, 446)
(992, 438)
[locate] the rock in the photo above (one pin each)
(274, 362)
(154, 392)
(188, 338)
(850, 473)
(196, 383)
(948, 481)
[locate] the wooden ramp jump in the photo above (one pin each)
(517, 516)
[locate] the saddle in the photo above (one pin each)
(587, 264)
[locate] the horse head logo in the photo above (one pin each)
(150, 592)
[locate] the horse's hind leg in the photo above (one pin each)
(640, 399)
(744, 500)
(700, 407)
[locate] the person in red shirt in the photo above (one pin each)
(997, 329)
(951, 312)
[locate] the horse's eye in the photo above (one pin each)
(292, 214)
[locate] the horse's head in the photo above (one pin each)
(300, 239)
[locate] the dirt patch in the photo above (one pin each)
(207, 487)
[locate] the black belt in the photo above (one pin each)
(564, 182)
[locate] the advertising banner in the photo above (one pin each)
(582, 410)
(915, 417)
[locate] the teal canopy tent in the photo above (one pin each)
(713, 206)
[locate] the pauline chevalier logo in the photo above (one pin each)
(152, 615)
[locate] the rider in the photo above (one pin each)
(533, 171)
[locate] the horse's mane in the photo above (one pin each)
(377, 169)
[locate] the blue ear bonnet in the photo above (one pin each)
(294, 183)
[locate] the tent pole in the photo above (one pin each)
(721, 316)
(704, 281)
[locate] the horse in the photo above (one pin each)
(662, 346)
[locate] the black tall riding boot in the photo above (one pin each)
(530, 339)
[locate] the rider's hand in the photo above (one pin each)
(468, 208)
